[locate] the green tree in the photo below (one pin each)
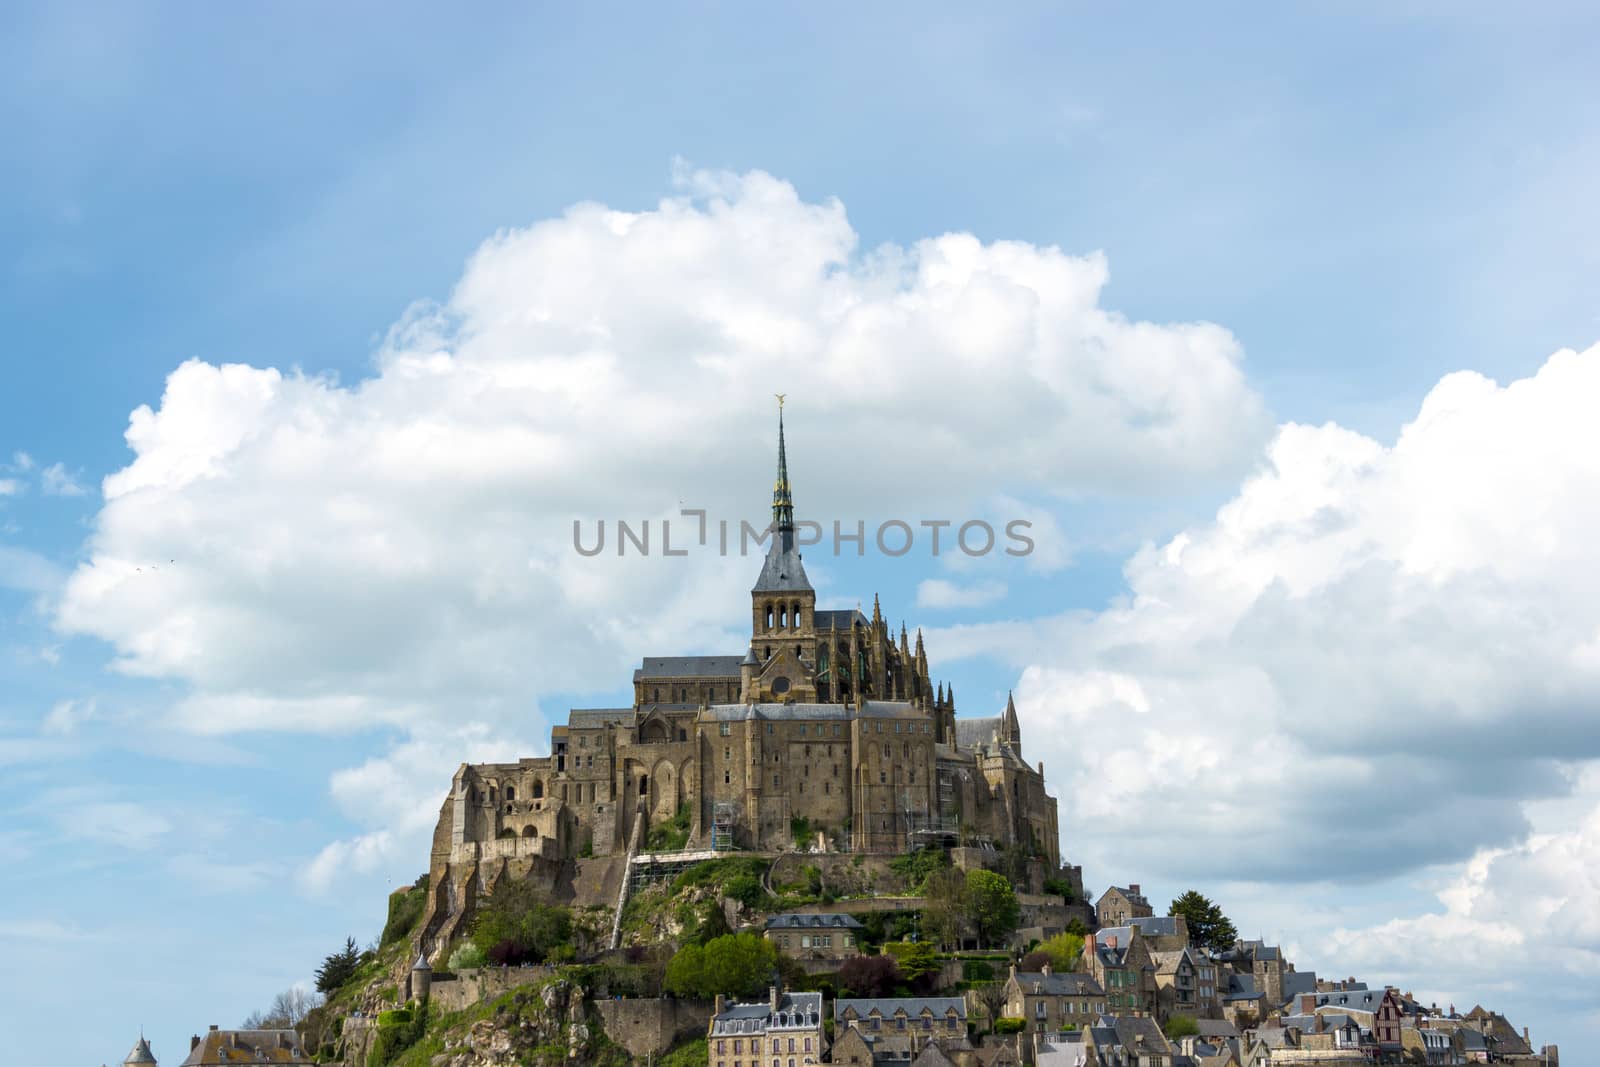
(915, 959)
(339, 967)
(518, 924)
(1182, 1026)
(738, 965)
(991, 905)
(1065, 952)
(1208, 927)
(944, 915)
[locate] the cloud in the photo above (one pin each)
(940, 593)
(55, 481)
(67, 716)
(1365, 664)
(304, 555)
(10, 487)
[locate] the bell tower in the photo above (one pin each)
(783, 636)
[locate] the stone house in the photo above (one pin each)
(1047, 1001)
(1119, 961)
(1130, 1042)
(276, 1046)
(785, 1031)
(822, 936)
(1119, 905)
(1177, 977)
(901, 1025)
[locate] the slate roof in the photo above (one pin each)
(1128, 894)
(1156, 925)
(141, 1053)
(594, 718)
(1359, 999)
(1297, 982)
(887, 1006)
(688, 667)
(868, 709)
(970, 733)
(829, 920)
(247, 1046)
(1071, 983)
(1242, 987)
(782, 571)
(758, 1018)
(838, 619)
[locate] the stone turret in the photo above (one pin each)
(141, 1056)
(421, 979)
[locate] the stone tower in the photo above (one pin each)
(421, 979)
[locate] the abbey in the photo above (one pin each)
(827, 725)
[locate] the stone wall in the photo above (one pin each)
(468, 986)
(648, 1027)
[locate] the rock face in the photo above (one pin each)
(546, 1025)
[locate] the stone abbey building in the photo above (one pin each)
(826, 721)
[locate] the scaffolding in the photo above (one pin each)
(724, 818)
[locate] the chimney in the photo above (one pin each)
(213, 1026)
(194, 1042)
(772, 998)
(1308, 1003)
(1045, 969)
(1525, 1039)
(1321, 1024)
(1133, 889)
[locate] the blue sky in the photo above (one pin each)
(1363, 202)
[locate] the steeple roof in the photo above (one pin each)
(782, 572)
(141, 1053)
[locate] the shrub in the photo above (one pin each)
(800, 830)
(398, 1030)
(1182, 1026)
(467, 956)
(915, 867)
(869, 976)
(1008, 1025)
(976, 971)
(518, 925)
(672, 835)
(1060, 887)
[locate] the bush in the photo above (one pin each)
(976, 971)
(745, 888)
(398, 1030)
(695, 1054)
(673, 835)
(467, 956)
(800, 830)
(915, 867)
(1060, 887)
(1182, 1026)
(869, 976)
(1008, 1025)
(518, 925)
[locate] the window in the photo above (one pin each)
(725, 728)
(883, 778)
(776, 781)
(826, 790)
(1038, 1009)
(769, 728)
(727, 779)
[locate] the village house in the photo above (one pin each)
(785, 1031)
(1118, 906)
(823, 936)
(1119, 961)
(1045, 1000)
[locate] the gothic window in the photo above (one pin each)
(683, 735)
(769, 618)
(511, 792)
(538, 789)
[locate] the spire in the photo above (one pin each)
(783, 571)
(1010, 729)
(877, 615)
(782, 502)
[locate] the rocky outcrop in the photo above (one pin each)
(547, 1025)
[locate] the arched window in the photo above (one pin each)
(538, 788)
(644, 784)
(511, 792)
(768, 626)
